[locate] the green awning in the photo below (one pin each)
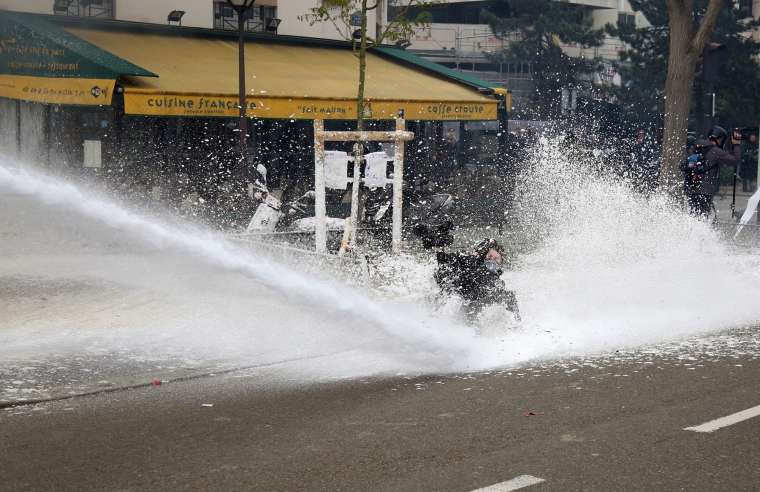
(418, 61)
(31, 46)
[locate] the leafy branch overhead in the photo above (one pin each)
(350, 19)
(409, 17)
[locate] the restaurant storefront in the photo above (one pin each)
(157, 106)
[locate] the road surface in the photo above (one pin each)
(615, 422)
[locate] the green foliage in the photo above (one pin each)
(739, 81)
(643, 66)
(535, 29)
(411, 16)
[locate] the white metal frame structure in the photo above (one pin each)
(399, 136)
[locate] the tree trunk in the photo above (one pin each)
(678, 89)
(686, 46)
(362, 69)
(349, 234)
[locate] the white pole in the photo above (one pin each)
(349, 232)
(713, 107)
(398, 187)
(320, 208)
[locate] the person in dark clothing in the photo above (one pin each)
(748, 170)
(476, 277)
(702, 170)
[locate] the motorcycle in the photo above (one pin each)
(273, 215)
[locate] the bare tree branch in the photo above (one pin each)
(403, 27)
(707, 26)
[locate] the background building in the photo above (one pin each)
(197, 13)
(459, 39)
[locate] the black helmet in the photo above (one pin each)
(718, 133)
(486, 244)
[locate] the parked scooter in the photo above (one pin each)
(272, 215)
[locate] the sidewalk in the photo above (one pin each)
(723, 204)
(729, 225)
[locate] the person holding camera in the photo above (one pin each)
(702, 169)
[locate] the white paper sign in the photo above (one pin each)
(92, 154)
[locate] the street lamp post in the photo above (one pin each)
(242, 7)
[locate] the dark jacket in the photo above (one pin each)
(465, 274)
(708, 174)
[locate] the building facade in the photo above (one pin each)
(456, 27)
(208, 14)
(457, 37)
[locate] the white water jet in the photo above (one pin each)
(296, 303)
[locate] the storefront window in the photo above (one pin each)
(102, 9)
(256, 20)
(481, 143)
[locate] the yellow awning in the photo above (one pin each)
(198, 77)
(54, 90)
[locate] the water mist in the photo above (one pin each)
(606, 268)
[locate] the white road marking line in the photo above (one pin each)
(732, 419)
(514, 484)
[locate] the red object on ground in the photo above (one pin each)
(156, 382)
(529, 413)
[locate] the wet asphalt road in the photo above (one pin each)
(612, 426)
